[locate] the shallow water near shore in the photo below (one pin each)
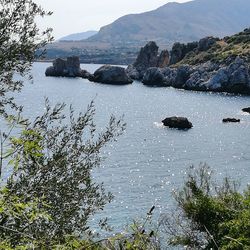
(148, 161)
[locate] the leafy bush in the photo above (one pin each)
(52, 163)
(49, 195)
(211, 216)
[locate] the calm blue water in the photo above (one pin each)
(148, 161)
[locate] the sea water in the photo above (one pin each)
(149, 161)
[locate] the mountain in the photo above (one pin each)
(182, 22)
(79, 36)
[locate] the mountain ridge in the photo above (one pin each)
(182, 22)
(78, 36)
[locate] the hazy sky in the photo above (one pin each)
(73, 16)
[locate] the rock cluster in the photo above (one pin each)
(67, 68)
(148, 57)
(188, 66)
(179, 50)
(71, 68)
(111, 75)
(229, 75)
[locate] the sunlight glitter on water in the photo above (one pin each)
(148, 161)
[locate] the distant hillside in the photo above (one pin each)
(79, 36)
(179, 22)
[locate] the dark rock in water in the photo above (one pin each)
(59, 66)
(209, 76)
(234, 78)
(170, 75)
(167, 76)
(111, 75)
(133, 72)
(73, 66)
(238, 76)
(246, 110)
(230, 120)
(177, 122)
(67, 68)
(147, 58)
(153, 76)
(182, 75)
(206, 43)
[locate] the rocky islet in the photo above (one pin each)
(177, 122)
(191, 66)
(67, 68)
(71, 68)
(210, 64)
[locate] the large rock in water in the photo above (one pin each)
(67, 68)
(153, 77)
(177, 122)
(234, 78)
(247, 110)
(147, 58)
(111, 75)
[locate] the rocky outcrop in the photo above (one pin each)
(247, 110)
(206, 43)
(226, 120)
(133, 72)
(210, 64)
(163, 59)
(177, 122)
(154, 77)
(147, 58)
(180, 50)
(234, 78)
(67, 68)
(177, 53)
(111, 75)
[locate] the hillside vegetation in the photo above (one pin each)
(222, 50)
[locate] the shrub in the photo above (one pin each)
(211, 216)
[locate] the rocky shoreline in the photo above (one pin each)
(230, 74)
(192, 66)
(209, 76)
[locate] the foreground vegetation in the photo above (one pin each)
(48, 195)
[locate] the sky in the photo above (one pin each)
(74, 16)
